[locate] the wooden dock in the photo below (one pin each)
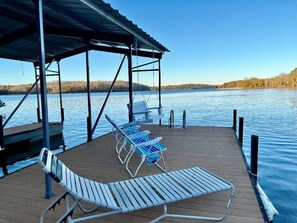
(214, 148)
(24, 141)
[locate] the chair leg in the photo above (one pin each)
(117, 145)
(123, 161)
(128, 160)
(120, 151)
(161, 216)
(164, 168)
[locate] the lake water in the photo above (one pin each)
(270, 113)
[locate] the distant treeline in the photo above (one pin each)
(280, 81)
(186, 86)
(96, 86)
(73, 87)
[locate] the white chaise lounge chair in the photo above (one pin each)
(150, 150)
(143, 114)
(130, 195)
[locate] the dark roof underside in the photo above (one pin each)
(68, 26)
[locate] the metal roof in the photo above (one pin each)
(68, 26)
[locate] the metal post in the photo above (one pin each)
(160, 104)
(110, 90)
(89, 118)
(1, 133)
(171, 119)
(37, 95)
(234, 118)
(43, 90)
(130, 79)
(254, 155)
(240, 131)
(184, 119)
(2, 148)
(60, 93)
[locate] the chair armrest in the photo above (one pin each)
(138, 113)
(131, 129)
(155, 108)
(139, 134)
(129, 124)
(150, 142)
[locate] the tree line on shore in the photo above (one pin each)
(280, 81)
(95, 86)
(73, 87)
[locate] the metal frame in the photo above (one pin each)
(89, 118)
(110, 90)
(43, 89)
(135, 69)
(70, 209)
(130, 79)
(194, 217)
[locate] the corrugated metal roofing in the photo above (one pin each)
(68, 25)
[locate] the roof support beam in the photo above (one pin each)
(12, 14)
(103, 49)
(17, 34)
(125, 39)
(108, 16)
(91, 35)
(140, 53)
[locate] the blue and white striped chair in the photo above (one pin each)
(130, 195)
(150, 150)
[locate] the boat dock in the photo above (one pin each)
(21, 142)
(214, 148)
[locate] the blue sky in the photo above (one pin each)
(211, 41)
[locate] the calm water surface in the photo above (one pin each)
(271, 114)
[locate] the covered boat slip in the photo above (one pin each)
(213, 148)
(46, 32)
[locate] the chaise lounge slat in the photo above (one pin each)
(194, 189)
(131, 195)
(208, 179)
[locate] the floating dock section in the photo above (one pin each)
(25, 141)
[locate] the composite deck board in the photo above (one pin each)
(213, 148)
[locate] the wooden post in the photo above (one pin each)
(2, 149)
(234, 118)
(184, 119)
(240, 131)
(171, 119)
(254, 155)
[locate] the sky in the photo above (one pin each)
(210, 42)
